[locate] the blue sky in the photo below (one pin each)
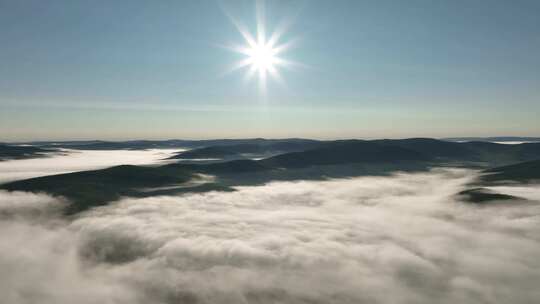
(156, 69)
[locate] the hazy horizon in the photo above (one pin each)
(69, 139)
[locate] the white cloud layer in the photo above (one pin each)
(397, 239)
(79, 160)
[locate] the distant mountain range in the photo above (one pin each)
(226, 150)
(496, 139)
(166, 144)
(254, 146)
(206, 152)
(314, 160)
(361, 151)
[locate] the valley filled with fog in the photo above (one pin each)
(397, 238)
(68, 160)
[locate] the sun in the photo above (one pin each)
(262, 57)
(262, 54)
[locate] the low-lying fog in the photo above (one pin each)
(396, 239)
(78, 160)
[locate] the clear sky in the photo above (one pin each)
(109, 69)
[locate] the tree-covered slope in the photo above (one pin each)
(93, 188)
(526, 172)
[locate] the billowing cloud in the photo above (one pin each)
(29, 206)
(395, 239)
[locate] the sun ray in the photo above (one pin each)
(240, 64)
(276, 75)
(250, 73)
(284, 46)
(261, 22)
(242, 29)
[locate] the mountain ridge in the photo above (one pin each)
(340, 158)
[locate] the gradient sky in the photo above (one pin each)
(156, 69)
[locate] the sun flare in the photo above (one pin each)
(262, 53)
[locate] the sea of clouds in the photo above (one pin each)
(403, 238)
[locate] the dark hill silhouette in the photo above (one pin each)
(484, 196)
(21, 152)
(433, 148)
(230, 167)
(525, 172)
(521, 173)
(342, 152)
(503, 154)
(93, 188)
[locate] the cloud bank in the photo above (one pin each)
(79, 160)
(397, 239)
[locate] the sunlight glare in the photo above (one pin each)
(261, 52)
